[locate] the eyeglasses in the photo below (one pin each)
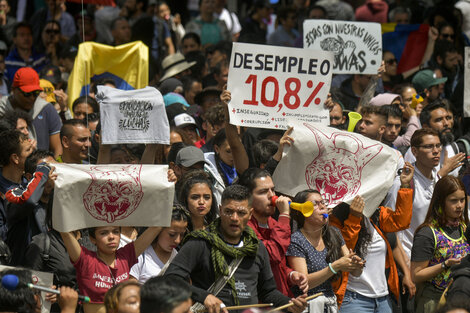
(391, 61)
(52, 31)
(230, 212)
(448, 36)
(32, 93)
(317, 203)
(430, 147)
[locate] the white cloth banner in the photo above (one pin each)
(357, 46)
(105, 195)
(466, 95)
(339, 164)
(272, 86)
(132, 116)
(38, 278)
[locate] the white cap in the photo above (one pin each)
(184, 119)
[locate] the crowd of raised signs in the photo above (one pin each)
(411, 255)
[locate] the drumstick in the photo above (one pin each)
(282, 307)
(247, 306)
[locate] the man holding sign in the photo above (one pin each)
(272, 86)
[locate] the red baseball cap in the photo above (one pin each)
(27, 79)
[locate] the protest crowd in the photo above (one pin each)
(233, 241)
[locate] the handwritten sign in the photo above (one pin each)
(466, 98)
(357, 46)
(271, 86)
(133, 116)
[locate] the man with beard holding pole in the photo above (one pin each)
(437, 116)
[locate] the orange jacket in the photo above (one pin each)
(390, 221)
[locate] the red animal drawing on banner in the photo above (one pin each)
(113, 194)
(336, 171)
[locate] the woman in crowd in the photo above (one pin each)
(370, 292)
(156, 258)
(197, 197)
(439, 242)
(82, 106)
(123, 298)
(318, 250)
(99, 271)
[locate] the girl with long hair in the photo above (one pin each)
(440, 242)
(318, 251)
(197, 197)
(156, 258)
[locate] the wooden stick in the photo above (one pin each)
(288, 305)
(247, 306)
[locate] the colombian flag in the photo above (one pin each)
(126, 64)
(407, 42)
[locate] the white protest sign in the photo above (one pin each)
(132, 116)
(339, 164)
(272, 86)
(38, 278)
(357, 46)
(104, 195)
(466, 95)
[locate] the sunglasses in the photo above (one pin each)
(448, 36)
(35, 93)
(52, 31)
(391, 61)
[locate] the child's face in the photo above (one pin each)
(107, 239)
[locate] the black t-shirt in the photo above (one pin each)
(424, 243)
(254, 279)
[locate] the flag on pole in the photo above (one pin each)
(126, 64)
(107, 195)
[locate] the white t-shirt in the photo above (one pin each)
(231, 20)
(422, 194)
(124, 241)
(409, 157)
(372, 283)
(149, 265)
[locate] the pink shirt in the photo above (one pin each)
(94, 277)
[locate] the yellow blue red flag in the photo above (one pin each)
(126, 64)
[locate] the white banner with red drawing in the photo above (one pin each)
(272, 86)
(357, 46)
(339, 164)
(105, 195)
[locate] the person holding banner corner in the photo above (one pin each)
(373, 290)
(99, 271)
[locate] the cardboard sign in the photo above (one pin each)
(273, 86)
(357, 46)
(38, 278)
(107, 195)
(132, 116)
(466, 96)
(339, 164)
